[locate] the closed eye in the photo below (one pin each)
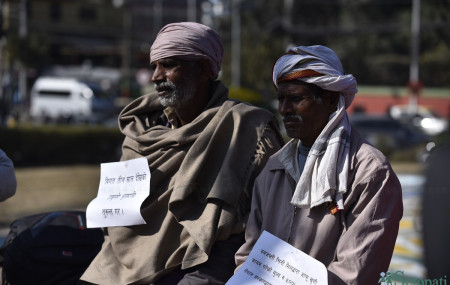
(169, 63)
(294, 98)
(166, 63)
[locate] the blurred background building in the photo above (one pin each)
(399, 51)
(383, 43)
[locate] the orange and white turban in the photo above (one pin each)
(317, 65)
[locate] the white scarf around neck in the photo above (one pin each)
(324, 177)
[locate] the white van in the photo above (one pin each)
(72, 100)
(54, 99)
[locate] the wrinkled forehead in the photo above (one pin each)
(175, 59)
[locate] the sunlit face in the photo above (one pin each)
(176, 81)
(303, 117)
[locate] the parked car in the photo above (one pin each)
(387, 134)
(69, 100)
(420, 118)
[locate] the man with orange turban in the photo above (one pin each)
(327, 192)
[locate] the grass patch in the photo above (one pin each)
(44, 189)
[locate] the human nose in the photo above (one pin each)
(283, 107)
(157, 74)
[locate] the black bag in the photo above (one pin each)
(49, 248)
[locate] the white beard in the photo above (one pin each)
(176, 96)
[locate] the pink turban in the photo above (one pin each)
(188, 41)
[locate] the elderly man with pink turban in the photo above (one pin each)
(327, 192)
(204, 152)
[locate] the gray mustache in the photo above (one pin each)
(164, 86)
(291, 118)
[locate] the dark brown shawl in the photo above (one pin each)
(199, 175)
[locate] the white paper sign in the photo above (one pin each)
(123, 187)
(273, 261)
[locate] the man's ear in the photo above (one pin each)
(205, 70)
(331, 100)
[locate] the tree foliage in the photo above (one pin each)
(372, 38)
(33, 50)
